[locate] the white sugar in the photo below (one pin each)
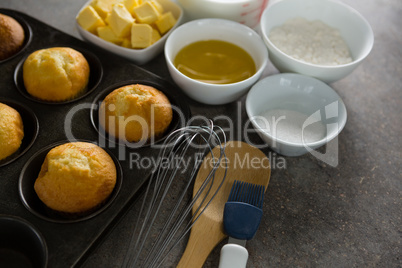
(287, 125)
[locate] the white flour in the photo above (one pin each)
(311, 41)
(287, 125)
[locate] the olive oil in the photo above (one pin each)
(215, 62)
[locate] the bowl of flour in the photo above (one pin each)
(324, 39)
(295, 114)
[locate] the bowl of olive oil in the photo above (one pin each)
(215, 61)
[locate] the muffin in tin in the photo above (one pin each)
(11, 131)
(75, 179)
(135, 113)
(12, 37)
(56, 74)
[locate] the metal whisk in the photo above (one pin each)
(183, 148)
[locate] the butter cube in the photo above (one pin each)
(103, 7)
(126, 43)
(146, 13)
(155, 35)
(131, 4)
(141, 35)
(93, 3)
(107, 34)
(107, 19)
(156, 4)
(120, 20)
(165, 22)
(89, 19)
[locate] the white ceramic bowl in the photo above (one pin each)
(353, 27)
(138, 56)
(215, 29)
(324, 113)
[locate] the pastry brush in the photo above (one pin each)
(241, 218)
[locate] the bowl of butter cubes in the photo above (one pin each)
(134, 29)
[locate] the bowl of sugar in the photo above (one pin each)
(295, 114)
(325, 39)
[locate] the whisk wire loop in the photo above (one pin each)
(178, 145)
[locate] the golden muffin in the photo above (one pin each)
(12, 37)
(11, 131)
(135, 113)
(56, 74)
(76, 178)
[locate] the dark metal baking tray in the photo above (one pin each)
(68, 243)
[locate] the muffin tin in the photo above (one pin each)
(21, 244)
(70, 240)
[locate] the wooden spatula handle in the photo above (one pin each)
(200, 244)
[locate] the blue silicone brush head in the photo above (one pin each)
(243, 210)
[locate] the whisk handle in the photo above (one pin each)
(233, 256)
